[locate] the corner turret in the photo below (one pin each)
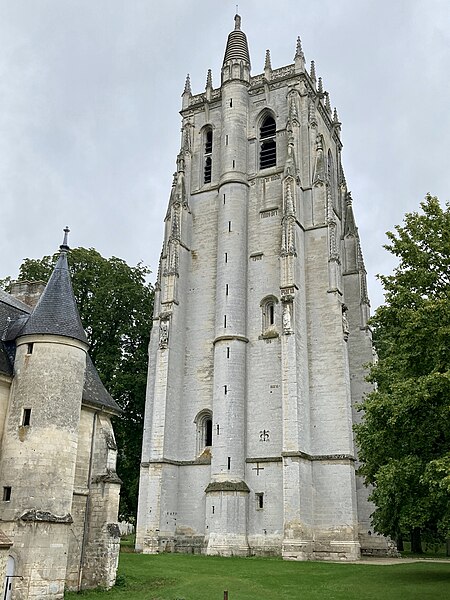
(56, 312)
(236, 62)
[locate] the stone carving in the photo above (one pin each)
(345, 325)
(163, 333)
(264, 435)
(287, 325)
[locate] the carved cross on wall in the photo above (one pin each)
(258, 468)
(264, 435)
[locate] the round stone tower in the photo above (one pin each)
(227, 494)
(40, 448)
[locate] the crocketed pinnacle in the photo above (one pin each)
(56, 313)
(209, 79)
(237, 47)
(267, 62)
(313, 71)
(187, 85)
(298, 50)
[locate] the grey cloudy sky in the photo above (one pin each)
(90, 93)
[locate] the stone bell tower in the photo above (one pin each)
(260, 328)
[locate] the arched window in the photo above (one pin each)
(208, 142)
(204, 430)
(268, 144)
(268, 312)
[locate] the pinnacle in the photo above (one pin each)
(187, 86)
(267, 63)
(209, 79)
(320, 86)
(313, 71)
(299, 50)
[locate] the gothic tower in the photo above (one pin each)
(260, 328)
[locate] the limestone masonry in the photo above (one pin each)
(260, 329)
(59, 493)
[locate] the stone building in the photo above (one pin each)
(59, 489)
(260, 328)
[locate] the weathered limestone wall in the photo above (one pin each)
(38, 460)
(5, 387)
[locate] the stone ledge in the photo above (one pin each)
(227, 486)
(319, 457)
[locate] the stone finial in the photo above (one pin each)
(335, 116)
(187, 86)
(313, 72)
(237, 22)
(64, 246)
(187, 92)
(299, 50)
(209, 80)
(320, 86)
(267, 63)
(299, 58)
(327, 102)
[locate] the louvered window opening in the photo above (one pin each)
(268, 148)
(208, 161)
(208, 169)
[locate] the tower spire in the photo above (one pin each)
(64, 246)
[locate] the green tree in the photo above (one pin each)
(115, 304)
(404, 437)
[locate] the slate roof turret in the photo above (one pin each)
(56, 313)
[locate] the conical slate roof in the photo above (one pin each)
(237, 47)
(56, 312)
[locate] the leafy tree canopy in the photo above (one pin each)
(115, 304)
(404, 438)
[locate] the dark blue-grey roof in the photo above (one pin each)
(56, 312)
(94, 392)
(12, 312)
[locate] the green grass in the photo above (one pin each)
(188, 577)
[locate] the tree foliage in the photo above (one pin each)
(404, 437)
(115, 304)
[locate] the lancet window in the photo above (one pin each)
(204, 430)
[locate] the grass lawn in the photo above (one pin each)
(188, 577)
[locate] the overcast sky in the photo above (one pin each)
(90, 93)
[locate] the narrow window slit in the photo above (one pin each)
(26, 417)
(229, 462)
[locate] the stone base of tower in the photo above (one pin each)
(226, 509)
(227, 544)
(321, 550)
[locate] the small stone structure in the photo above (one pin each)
(59, 491)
